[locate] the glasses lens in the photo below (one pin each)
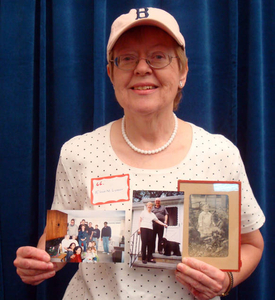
(159, 60)
(126, 62)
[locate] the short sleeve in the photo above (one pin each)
(252, 217)
(65, 196)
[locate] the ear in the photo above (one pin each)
(183, 76)
(109, 73)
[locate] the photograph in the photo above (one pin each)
(211, 230)
(85, 236)
(157, 223)
(208, 226)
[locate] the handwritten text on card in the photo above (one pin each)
(110, 189)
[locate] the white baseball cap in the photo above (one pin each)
(144, 16)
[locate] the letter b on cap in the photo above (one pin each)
(142, 13)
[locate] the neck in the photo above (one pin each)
(151, 135)
(149, 125)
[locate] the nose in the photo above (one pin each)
(142, 67)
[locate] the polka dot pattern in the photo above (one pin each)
(211, 157)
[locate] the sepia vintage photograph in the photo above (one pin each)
(157, 229)
(208, 225)
(85, 236)
(211, 230)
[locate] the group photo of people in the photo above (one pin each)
(88, 240)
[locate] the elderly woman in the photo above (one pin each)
(147, 217)
(147, 66)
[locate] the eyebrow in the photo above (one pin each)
(151, 48)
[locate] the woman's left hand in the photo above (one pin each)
(202, 280)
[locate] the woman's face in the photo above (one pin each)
(145, 90)
(78, 251)
(149, 207)
(73, 246)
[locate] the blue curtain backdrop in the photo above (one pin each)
(53, 85)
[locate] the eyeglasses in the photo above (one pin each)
(156, 60)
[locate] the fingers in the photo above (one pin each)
(33, 265)
(203, 267)
(202, 280)
(31, 258)
(198, 290)
(34, 253)
(34, 277)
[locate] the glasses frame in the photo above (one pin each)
(115, 61)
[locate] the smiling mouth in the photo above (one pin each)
(142, 88)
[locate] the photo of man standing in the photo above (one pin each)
(162, 214)
(106, 234)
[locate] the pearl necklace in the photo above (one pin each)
(148, 151)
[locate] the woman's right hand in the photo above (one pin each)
(33, 265)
